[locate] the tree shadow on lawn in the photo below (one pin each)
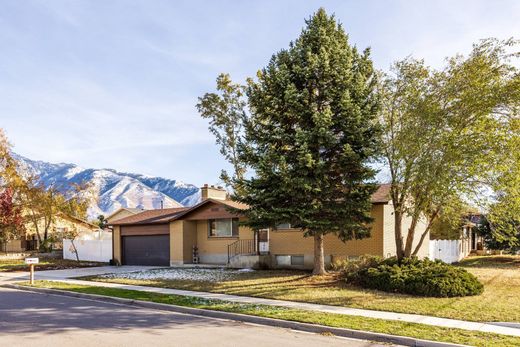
(491, 262)
(278, 282)
(274, 284)
(299, 286)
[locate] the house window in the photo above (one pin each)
(284, 226)
(227, 227)
(289, 260)
(283, 260)
(297, 260)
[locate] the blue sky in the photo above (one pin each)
(113, 84)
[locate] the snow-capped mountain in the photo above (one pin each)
(114, 189)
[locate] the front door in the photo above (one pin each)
(263, 241)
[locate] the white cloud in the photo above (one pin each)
(114, 84)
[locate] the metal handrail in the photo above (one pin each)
(240, 247)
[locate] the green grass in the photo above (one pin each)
(13, 265)
(420, 331)
(499, 302)
(496, 261)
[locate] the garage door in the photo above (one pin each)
(146, 250)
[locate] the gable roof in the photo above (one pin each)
(229, 203)
(166, 215)
(78, 220)
(382, 194)
(151, 216)
(129, 209)
(134, 210)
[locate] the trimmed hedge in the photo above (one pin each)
(417, 277)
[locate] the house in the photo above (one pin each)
(452, 244)
(61, 224)
(122, 213)
(472, 242)
(209, 233)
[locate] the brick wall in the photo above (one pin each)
(292, 242)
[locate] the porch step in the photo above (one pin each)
(241, 247)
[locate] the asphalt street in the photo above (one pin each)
(33, 319)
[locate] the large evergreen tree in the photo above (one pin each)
(309, 138)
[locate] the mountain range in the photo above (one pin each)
(114, 189)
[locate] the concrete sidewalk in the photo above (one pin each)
(404, 317)
(74, 272)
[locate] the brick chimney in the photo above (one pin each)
(212, 192)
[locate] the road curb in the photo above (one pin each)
(307, 327)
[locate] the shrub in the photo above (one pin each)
(417, 277)
(353, 266)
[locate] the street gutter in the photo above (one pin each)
(307, 327)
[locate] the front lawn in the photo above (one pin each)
(496, 261)
(13, 265)
(499, 302)
(415, 330)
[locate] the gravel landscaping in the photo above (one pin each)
(195, 274)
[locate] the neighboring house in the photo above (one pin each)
(62, 224)
(122, 213)
(472, 242)
(209, 233)
(467, 241)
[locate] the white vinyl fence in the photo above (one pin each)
(449, 251)
(96, 246)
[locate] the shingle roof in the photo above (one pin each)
(151, 216)
(382, 195)
(135, 210)
(67, 216)
(129, 209)
(235, 204)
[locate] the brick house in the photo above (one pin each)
(209, 233)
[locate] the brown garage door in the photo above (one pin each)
(146, 245)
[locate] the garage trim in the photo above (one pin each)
(143, 230)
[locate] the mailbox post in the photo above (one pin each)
(31, 262)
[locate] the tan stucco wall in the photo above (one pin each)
(116, 237)
(214, 249)
(389, 239)
(183, 236)
(189, 240)
(176, 242)
(292, 242)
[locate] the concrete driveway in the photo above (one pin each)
(70, 273)
(31, 319)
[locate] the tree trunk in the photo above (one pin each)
(421, 240)
(411, 235)
(428, 227)
(319, 258)
(75, 250)
(398, 221)
(47, 225)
